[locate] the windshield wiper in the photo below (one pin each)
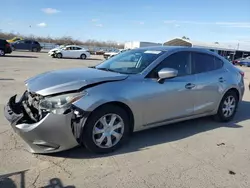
(106, 69)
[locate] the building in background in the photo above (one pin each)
(224, 50)
(139, 44)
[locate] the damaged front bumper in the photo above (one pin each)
(51, 133)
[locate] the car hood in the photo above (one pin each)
(55, 82)
(55, 49)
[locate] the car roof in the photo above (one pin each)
(73, 46)
(177, 48)
(170, 48)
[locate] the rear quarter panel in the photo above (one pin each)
(233, 79)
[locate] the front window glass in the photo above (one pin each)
(131, 62)
(179, 61)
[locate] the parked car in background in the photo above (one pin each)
(237, 61)
(4, 47)
(15, 39)
(70, 51)
(244, 62)
(30, 45)
(101, 106)
(108, 55)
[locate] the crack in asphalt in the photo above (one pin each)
(228, 150)
(35, 180)
(61, 167)
(54, 164)
(186, 170)
(5, 131)
(58, 164)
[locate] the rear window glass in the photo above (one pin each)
(204, 62)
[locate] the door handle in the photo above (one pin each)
(189, 86)
(221, 79)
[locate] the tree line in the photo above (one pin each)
(63, 40)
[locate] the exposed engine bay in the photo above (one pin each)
(28, 106)
(29, 112)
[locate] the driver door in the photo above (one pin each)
(66, 52)
(175, 97)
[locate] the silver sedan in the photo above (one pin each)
(101, 106)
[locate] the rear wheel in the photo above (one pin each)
(59, 55)
(228, 107)
(2, 53)
(83, 56)
(106, 129)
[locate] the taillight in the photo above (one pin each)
(7, 45)
(242, 74)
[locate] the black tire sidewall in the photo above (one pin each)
(86, 137)
(220, 116)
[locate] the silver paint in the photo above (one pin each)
(59, 81)
(151, 103)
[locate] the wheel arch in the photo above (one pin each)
(123, 106)
(234, 89)
(82, 53)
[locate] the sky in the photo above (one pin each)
(130, 20)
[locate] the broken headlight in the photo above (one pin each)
(60, 103)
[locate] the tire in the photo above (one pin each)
(83, 56)
(59, 55)
(89, 138)
(34, 50)
(220, 116)
(2, 53)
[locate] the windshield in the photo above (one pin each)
(130, 62)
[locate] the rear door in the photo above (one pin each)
(210, 80)
(78, 52)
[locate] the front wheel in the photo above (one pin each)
(106, 129)
(228, 107)
(59, 55)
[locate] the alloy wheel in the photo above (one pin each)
(229, 106)
(108, 131)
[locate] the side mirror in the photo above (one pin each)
(167, 73)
